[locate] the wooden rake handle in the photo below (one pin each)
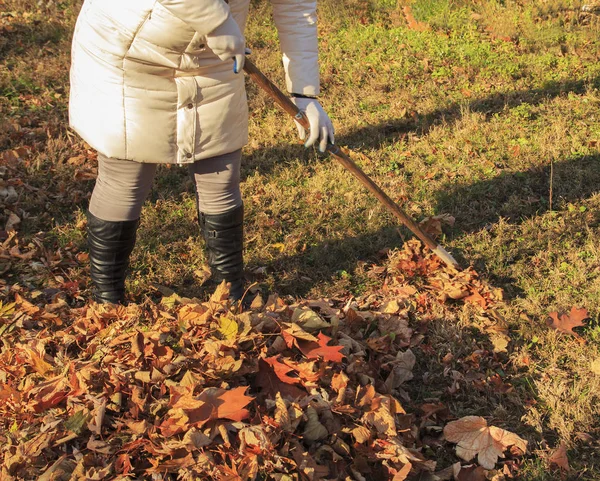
(286, 104)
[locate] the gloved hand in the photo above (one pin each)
(227, 42)
(321, 127)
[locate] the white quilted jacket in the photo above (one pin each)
(144, 86)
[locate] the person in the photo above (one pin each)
(158, 81)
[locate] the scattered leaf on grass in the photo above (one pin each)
(566, 322)
(559, 458)
(475, 438)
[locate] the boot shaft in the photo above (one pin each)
(110, 245)
(224, 237)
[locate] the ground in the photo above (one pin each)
(486, 111)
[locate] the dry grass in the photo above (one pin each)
(472, 117)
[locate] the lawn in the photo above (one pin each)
(486, 111)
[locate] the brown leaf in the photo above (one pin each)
(471, 473)
(221, 293)
(339, 382)
(38, 363)
(567, 322)
(282, 416)
(123, 464)
(13, 221)
(382, 416)
(475, 438)
(254, 436)
(294, 333)
(476, 298)
(306, 371)
(402, 368)
(186, 411)
(49, 394)
(361, 434)
(433, 225)
(560, 459)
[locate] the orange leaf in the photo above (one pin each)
(412, 23)
(281, 370)
(186, 411)
(271, 384)
(477, 298)
(233, 404)
(313, 350)
(123, 464)
(567, 322)
(305, 370)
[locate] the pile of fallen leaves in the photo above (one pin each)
(196, 390)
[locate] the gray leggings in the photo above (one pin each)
(123, 185)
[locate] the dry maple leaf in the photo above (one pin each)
(475, 438)
(227, 404)
(313, 350)
(305, 371)
(434, 225)
(281, 370)
(567, 322)
(295, 333)
(49, 394)
(270, 383)
(560, 459)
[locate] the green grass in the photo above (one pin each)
(476, 116)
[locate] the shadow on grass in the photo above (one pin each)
(512, 196)
(517, 195)
(376, 136)
(21, 37)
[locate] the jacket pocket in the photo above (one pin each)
(197, 45)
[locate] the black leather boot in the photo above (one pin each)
(224, 236)
(110, 244)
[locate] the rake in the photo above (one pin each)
(343, 158)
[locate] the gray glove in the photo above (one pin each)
(321, 127)
(227, 42)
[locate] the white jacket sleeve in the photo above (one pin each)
(296, 22)
(202, 15)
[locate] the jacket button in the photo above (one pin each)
(190, 105)
(188, 155)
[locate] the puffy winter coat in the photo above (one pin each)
(145, 87)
